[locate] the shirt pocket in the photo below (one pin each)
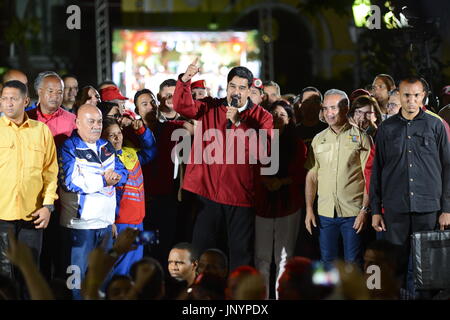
(35, 157)
(394, 147)
(425, 143)
(6, 148)
(351, 153)
(323, 154)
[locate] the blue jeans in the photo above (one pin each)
(125, 262)
(78, 244)
(329, 231)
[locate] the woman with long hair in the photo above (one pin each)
(280, 197)
(87, 95)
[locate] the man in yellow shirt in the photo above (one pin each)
(341, 152)
(28, 171)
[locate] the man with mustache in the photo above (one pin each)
(50, 89)
(89, 172)
(226, 190)
(340, 155)
(165, 98)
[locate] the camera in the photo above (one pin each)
(146, 237)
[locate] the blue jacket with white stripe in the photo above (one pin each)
(86, 201)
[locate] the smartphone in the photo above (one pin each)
(147, 237)
(324, 276)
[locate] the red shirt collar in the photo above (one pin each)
(48, 116)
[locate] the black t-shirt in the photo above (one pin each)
(308, 133)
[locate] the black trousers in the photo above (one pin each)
(399, 228)
(229, 228)
(52, 250)
(25, 233)
(161, 215)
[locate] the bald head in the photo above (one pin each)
(14, 74)
(87, 108)
(89, 123)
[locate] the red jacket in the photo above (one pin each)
(158, 174)
(230, 184)
(288, 199)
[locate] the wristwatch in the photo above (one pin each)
(50, 207)
(366, 209)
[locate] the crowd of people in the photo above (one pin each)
(86, 177)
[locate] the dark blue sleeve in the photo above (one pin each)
(148, 147)
(120, 169)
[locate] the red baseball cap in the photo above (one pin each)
(198, 84)
(111, 93)
(257, 83)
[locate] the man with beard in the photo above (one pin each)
(165, 97)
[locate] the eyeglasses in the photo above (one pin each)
(362, 113)
(392, 105)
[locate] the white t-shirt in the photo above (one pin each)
(93, 147)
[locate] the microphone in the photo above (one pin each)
(234, 103)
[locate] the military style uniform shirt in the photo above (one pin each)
(411, 169)
(340, 160)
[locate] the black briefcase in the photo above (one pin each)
(431, 259)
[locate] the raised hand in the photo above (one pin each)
(137, 124)
(191, 71)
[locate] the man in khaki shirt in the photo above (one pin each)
(341, 152)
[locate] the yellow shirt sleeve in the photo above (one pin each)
(50, 169)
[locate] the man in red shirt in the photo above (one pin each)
(225, 189)
(50, 89)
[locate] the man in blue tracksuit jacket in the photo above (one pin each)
(89, 172)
